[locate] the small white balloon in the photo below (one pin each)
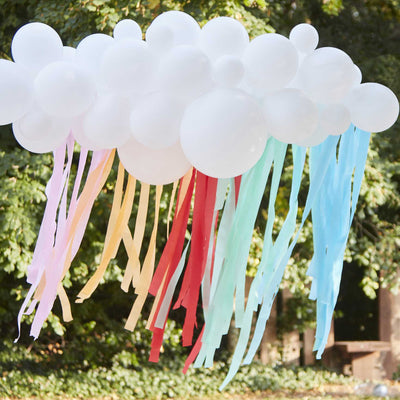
(304, 37)
(185, 71)
(155, 122)
(16, 92)
(223, 133)
(373, 107)
(64, 90)
(334, 119)
(107, 122)
(223, 36)
(91, 49)
(314, 140)
(38, 132)
(154, 166)
(81, 138)
(128, 66)
(270, 61)
(35, 45)
(69, 54)
(327, 75)
(228, 71)
(127, 29)
(290, 115)
(185, 28)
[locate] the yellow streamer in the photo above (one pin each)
(132, 270)
(65, 304)
(171, 204)
(146, 275)
(114, 242)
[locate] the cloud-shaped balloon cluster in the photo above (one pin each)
(207, 97)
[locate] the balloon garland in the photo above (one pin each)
(212, 112)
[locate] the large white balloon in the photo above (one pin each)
(228, 71)
(304, 37)
(15, 92)
(223, 36)
(327, 75)
(69, 54)
(64, 90)
(290, 115)
(184, 28)
(128, 66)
(155, 167)
(271, 61)
(127, 29)
(38, 132)
(35, 45)
(334, 119)
(107, 122)
(91, 49)
(155, 122)
(223, 133)
(185, 71)
(373, 107)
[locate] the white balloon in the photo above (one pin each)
(228, 71)
(334, 119)
(160, 39)
(91, 49)
(35, 45)
(107, 122)
(326, 75)
(271, 61)
(69, 54)
(304, 37)
(357, 75)
(223, 36)
(185, 29)
(81, 138)
(223, 133)
(185, 71)
(128, 66)
(152, 166)
(64, 90)
(290, 115)
(127, 28)
(373, 107)
(16, 92)
(314, 140)
(38, 132)
(156, 121)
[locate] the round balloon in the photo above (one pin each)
(15, 92)
(81, 138)
(128, 66)
(185, 71)
(35, 45)
(69, 54)
(373, 107)
(155, 122)
(160, 39)
(38, 132)
(184, 28)
(327, 75)
(228, 71)
(154, 166)
(270, 61)
(334, 119)
(64, 90)
(223, 133)
(127, 28)
(107, 122)
(314, 140)
(290, 115)
(91, 49)
(304, 37)
(223, 36)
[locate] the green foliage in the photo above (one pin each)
(22, 375)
